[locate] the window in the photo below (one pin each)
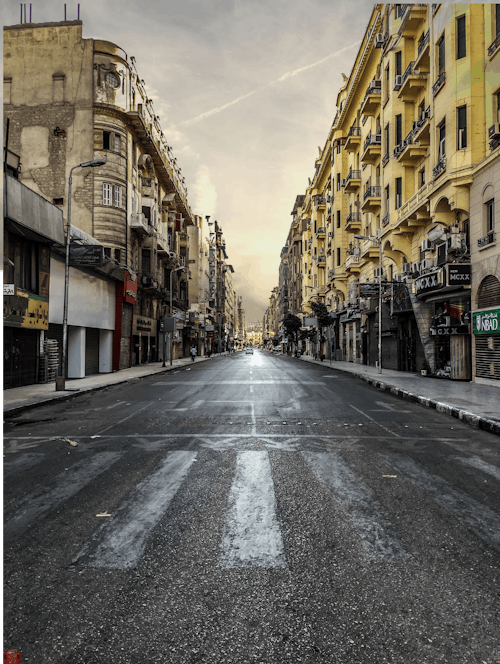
(461, 38)
(146, 261)
(134, 155)
(497, 20)
(338, 256)
(23, 267)
(398, 64)
(338, 218)
(106, 193)
(112, 79)
(462, 127)
(398, 134)
(442, 141)
(107, 253)
(106, 137)
(338, 181)
(387, 200)
(399, 193)
(422, 177)
(497, 96)
(339, 147)
(490, 215)
(387, 139)
(441, 55)
(118, 255)
(117, 143)
(117, 196)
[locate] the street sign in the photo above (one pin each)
(86, 255)
(9, 289)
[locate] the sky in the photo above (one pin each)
(246, 93)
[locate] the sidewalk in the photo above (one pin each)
(18, 399)
(478, 405)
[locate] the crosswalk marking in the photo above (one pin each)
(377, 534)
(120, 542)
(484, 522)
(252, 536)
(68, 483)
(476, 462)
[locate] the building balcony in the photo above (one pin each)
(371, 103)
(372, 148)
(496, 44)
(385, 158)
(439, 83)
(440, 168)
(320, 203)
(385, 220)
(162, 246)
(139, 223)
(322, 290)
(409, 153)
(321, 233)
(421, 128)
(353, 139)
(413, 82)
(353, 263)
(412, 21)
(353, 222)
(489, 238)
(369, 250)
(372, 199)
(321, 260)
(331, 274)
(352, 182)
(422, 61)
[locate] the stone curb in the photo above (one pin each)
(463, 415)
(16, 410)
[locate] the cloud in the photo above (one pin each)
(284, 77)
(204, 192)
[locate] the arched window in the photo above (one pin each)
(488, 294)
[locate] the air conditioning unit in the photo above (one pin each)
(494, 131)
(378, 232)
(379, 40)
(455, 242)
(442, 149)
(415, 268)
(147, 281)
(427, 264)
(407, 268)
(356, 251)
(398, 82)
(378, 272)
(454, 228)
(330, 233)
(426, 245)
(398, 277)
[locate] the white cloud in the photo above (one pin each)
(204, 194)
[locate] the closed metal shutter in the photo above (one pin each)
(91, 351)
(126, 336)
(488, 356)
(55, 332)
(488, 294)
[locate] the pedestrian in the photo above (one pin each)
(194, 353)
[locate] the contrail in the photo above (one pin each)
(286, 76)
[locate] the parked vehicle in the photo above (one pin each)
(248, 351)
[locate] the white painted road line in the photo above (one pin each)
(239, 382)
(377, 534)
(67, 484)
(375, 422)
(252, 536)
(484, 522)
(476, 462)
(120, 542)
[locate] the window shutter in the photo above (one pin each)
(106, 193)
(117, 191)
(461, 46)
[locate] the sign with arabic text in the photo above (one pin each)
(486, 322)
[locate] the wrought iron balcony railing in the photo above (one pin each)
(487, 239)
(373, 192)
(439, 83)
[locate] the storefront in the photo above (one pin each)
(126, 294)
(350, 330)
(447, 290)
(144, 342)
(486, 330)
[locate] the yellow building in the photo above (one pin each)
(408, 140)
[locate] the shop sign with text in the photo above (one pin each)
(449, 330)
(429, 282)
(486, 322)
(26, 310)
(458, 274)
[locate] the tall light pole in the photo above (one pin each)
(61, 379)
(379, 240)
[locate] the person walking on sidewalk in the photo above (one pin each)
(194, 353)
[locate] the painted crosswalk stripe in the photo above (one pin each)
(120, 542)
(476, 462)
(252, 536)
(68, 483)
(484, 522)
(347, 489)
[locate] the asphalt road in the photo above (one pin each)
(250, 509)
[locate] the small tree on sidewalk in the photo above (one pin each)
(292, 325)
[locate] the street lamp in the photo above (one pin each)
(61, 379)
(379, 240)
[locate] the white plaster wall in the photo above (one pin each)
(91, 298)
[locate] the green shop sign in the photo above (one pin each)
(486, 322)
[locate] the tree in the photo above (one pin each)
(292, 325)
(321, 313)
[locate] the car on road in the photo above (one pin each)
(248, 351)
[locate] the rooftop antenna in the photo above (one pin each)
(64, 11)
(78, 11)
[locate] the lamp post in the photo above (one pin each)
(61, 379)
(379, 240)
(171, 334)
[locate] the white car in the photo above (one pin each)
(248, 351)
